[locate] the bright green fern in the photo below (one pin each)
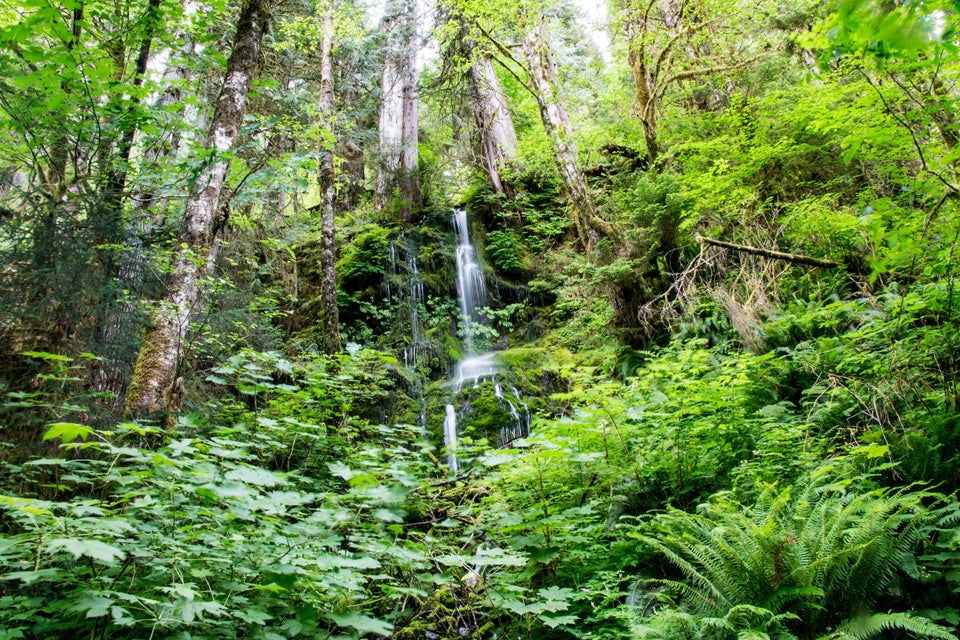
(813, 559)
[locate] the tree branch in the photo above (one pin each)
(506, 52)
(696, 73)
(769, 253)
(913, 135)
(684, 32)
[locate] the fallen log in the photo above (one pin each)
(769, 253)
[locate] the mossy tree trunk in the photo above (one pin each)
(498, 138)
(326, 178)
(117, 324)
(542, 69)
(155, 386)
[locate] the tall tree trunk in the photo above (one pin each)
(351, 184)
(542, 69)
(121, 327)
(328, 251)
(350, 189)
(117, 317)
(646, 95)
(399, 156)
(155, 386)
(55, 178)
(498, 138)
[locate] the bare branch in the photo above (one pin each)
(506, 52)
(769, 253)
(697, 73)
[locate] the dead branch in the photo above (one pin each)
(769, 253)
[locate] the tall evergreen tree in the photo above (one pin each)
(326, 179)
(398, 174)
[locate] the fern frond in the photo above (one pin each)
(791, 594)
(867, 627)
(820, 550)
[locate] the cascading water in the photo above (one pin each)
(412, 352)
(471, 286)
(475, 368)
(404, 287)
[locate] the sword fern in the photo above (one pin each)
(821, 554)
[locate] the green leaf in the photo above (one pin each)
(341, 470)
(255, 476)
(43, 355)
(194, 609)
(387, 515)
(253, 616)
(361, 623)
(555, 621)
(556, 594)
(67, 431)
(490, 557)
(92, 606)
(99, 551)
(28, 577)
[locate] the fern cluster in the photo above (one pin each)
(801, 562)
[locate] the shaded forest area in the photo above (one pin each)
(479, 319)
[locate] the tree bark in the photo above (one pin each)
(498, 138)
(542, 69)
(350, 190)
(399, 155)
(155, 387)
(326, 179)
(118, 318)
(645, 93)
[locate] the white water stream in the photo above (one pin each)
(476, 368)
(407, 288)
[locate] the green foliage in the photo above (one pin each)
(193, 537)
(292, 499)
(284, 520)
(852, 368)
(364, 259)
(882, 30)
(811, 559)
(504, 250)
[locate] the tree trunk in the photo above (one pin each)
(351, 187)
(498, 138)
(646, 95)
(55, 184)
(117, 317)
(399, 156)
(543, 77)
(350, 190)
(155, 386)
(326, 178)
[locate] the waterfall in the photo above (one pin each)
(404, 288)
(450, 438)
(414, 296)
(471, 287)
(475, 368)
